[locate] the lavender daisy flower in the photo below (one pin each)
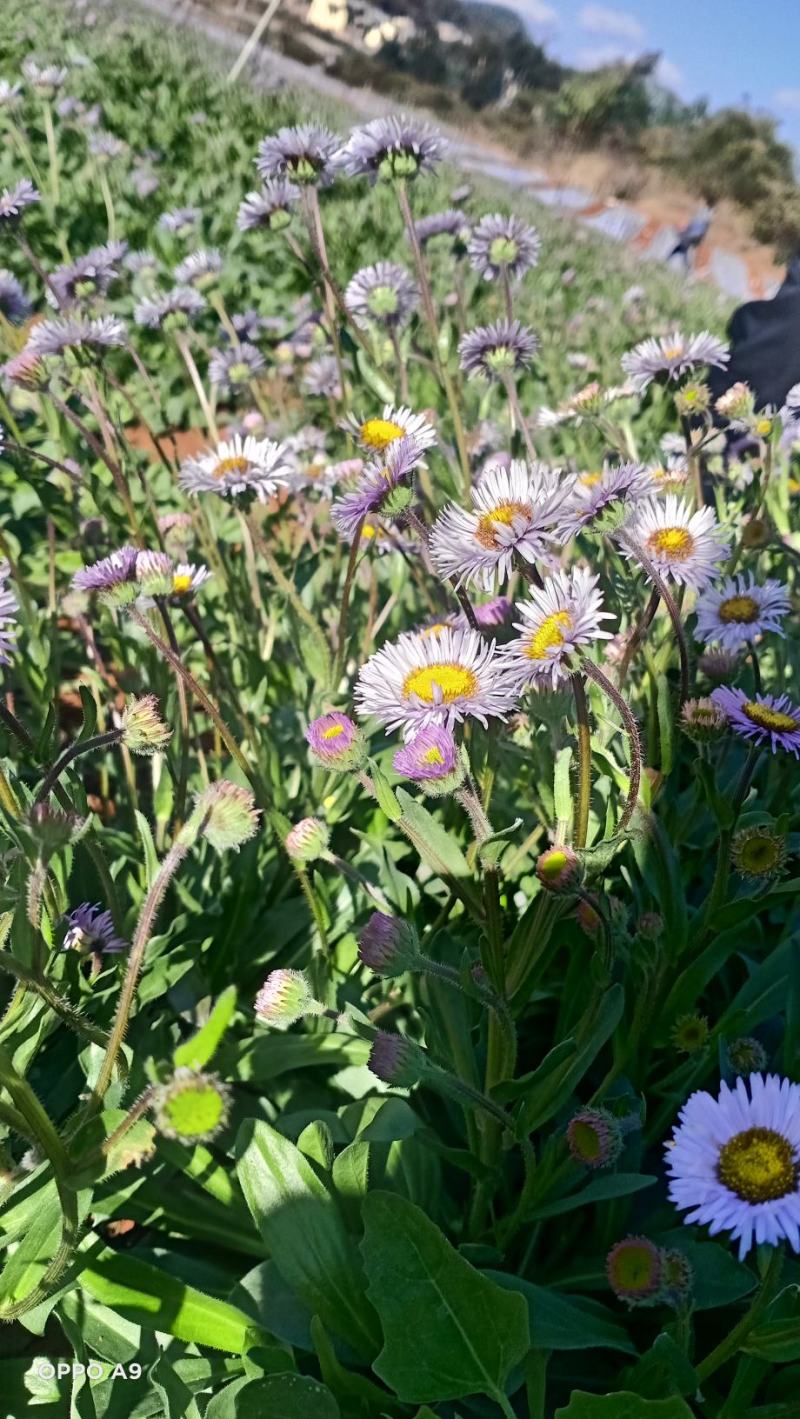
(144, 182)
(180, 221)
(141, 263)
(321, 378)
(684, 545)
(110, 573)
(89, 277)
(515, 510)
(734, 1161)
(395, 422)
(739, 609)
(451, 223)
(497, 351)
(8, 615)
(14, 200)
(14, 304)
(672, 356)
(79, 335)
(234, 366)
(272, 207)
(44, 79)
(383, 489)
(238, 467)
(601, 500)
(105, 147)
(503, 245)
(302, 154)
(765, 719)
(200, 270)
(431, 755)
(10, 94)
(385, 294)
(248, 325)
(390, 148)
(560, 617)
(90, 929)
(26, 371)
(442, 678)
(176, 310)
(336, 742)
(489, 614)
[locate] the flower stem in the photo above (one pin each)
(669, 601)
(583, 799)
(632, 729)
(344, 605)
(732, 1342)
(199, 389)
(81, 746)
(52, 152)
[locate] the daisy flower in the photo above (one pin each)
(188, 577)
(14, 304)
(558, 618)
(734, 1161)
(384, 488)
(451, 223)
(10, 94)
(503, 244)
(515, 509)
(765, 719)
(45, 79)
(14, 200)
(673, 355)
(387, 148)
(601, 494)
(172, 311)
(585, 405)
(8, 615)
(303, 154)
(431, 755)
(437, 679)
(200, 269)
(336, 741)
(271, 207)
(684, 545)
(180, 221)
(234, 366)
(739, 609)
(141, 263)
(56, 337)
(321, 377)
(89, 277)
(494, 351)
(89, 928)
(237, 466)
(395, 422)
(384, 293)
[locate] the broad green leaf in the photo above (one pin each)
(593, 1030)
(718, 1279)
(448, 1330)
(317, 1144)
(177, 1399)
(512, 1089)
(600, 1190)
(358, 1395)
(622, 1406)
(196, 1052)
(662, 1370)
(434, 844)
(566, 1322)
(562, 789)
(150, 854)
(274, 1397)
(157, 1301)
(90, 1165)
(263, 1058)
(304, 1230)
(385, 794)
(351, 1170)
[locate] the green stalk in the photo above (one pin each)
(632, 729)
(81, 746)
(52, 152)
(729, 1346)
(583, 799)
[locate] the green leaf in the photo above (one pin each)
(150, 854)
(196, 1052)
(614, 1185)
(373, 379)
(718, 1278)
(358, 1395)
(177, 1399)
(274, 1397)
(303, 1228)
(622, 1406)
(562, 789)
(434, 844)
(566, 1322)
(512, 1089)
(90, 1165)
(666, 723)
(492, 848)
(594, 1029)
(385, 794)
(662, 1370)
(448, 1330)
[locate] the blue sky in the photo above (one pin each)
(730, 51)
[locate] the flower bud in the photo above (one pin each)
(690, 1033)
(693, 399)
(746, 1055)
(650, 926)
(307, 841)
(678, 1278)
(717, 665)
(336, 742)
(397, 1060)
(635, 1271)
(388, 945)
(154, 573)
(225, 814)
(284, 998)
(703, 720)
(594, 1138)
(432, 759)
(192, 1107)
(143, 730)
(758, 853)
(559, 869)
(47, 829)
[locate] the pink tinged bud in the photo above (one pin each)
(588, 919)
(284, 998)
(397, 1060)
(388, 945)
(678, 1278)
(307, 841)
(559, 869)
(336, 742)
(650, 926)
(143, 730)
(594, 1138)
(225, 814)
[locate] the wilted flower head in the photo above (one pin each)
(303, 154)
(758, 852)
(497, 351)
(718, 664)
(388, 945)
(141, 263)
(635, 1271)
(238, 467)
(225, 814)
(191, 1107)
(390, 148)
(322, 379)
(746, 1055)
(703, 720)
(500, 245)
(180, 221)
(271, 207)
(306, 841)
(738, 609)
(559, 868)
(77, 335)
(9, 606)
(690, 1033)
(143, 729)
(763, 719)
(235, 365)
(385, 294)
(14, 200)
(14, 304)
(89, 928)
(672, 356)
(175, 310)
(104, 146)
(594, 1138)
(336, 742)
(600, 501)
(431, 759)
(284, 998)
(737, 405)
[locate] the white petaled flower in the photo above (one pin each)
(739, 609)
(603, 494)
(188, 577)
(685, 545)
(515, 510)
(559, 617)
(503, 244)
(673, 355)
(441, 678)
(734, 1161)
(395, 422)
(385, 487)
(237, 466)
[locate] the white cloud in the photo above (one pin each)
(671, 76)
(788, 99)
(596, 56)
(617, 24)
(541, 16)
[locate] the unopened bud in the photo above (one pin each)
(388, 945)
(225, 814)
(635, 1271)
(594, 1138)
(559, 869)
(284, 998)
(143, 730)
(397, 1060)
(192, 1107)
(307, 841)
(336, 742)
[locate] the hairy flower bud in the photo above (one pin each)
(143, 730)
(690, 1033)
(336, 742)
(225, 814)
(650, 926)
(307, 841)
(284, 998)
(746, 1055)
(397, 1060)
(388, 945)
(635, 1271)
(559, 869)
(594, 1138)
(703, 720)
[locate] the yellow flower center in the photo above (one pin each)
(658, 473)
(549, 635)
(739, 608)
(433, 756)
(674, 543)
(181, 582)
(760, 854)
(758, 1165)
(231, 465)
(764, 427)
(434, 629)
(501, 516)
(767, 718)
(673, 352)
(333, 731)
(586, 1141)
(379, 433)
(441, 684)
(590, 479)
(368, 531)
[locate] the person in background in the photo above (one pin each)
(764, 338)
(691, 236)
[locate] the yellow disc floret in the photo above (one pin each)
(441, 684)
(550, 635)
(758, 1165)
(379, 433)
